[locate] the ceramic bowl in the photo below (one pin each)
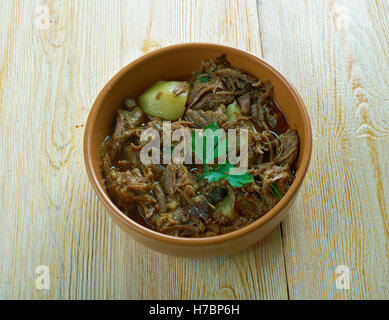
(177, 62)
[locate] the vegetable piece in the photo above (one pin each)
(275, 190)
(233, 112)
(161, 100)
(225, 207)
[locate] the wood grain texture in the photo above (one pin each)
(335, 52)
(49, 213)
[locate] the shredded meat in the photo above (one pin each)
(287, 148)
(244, 102)
(202, 118)
(174, 198)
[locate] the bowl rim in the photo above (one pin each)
(190, 242)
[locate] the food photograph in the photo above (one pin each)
(168, 152)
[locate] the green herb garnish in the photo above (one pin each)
(275, 191)
(207, 156)
(239, 180)
(203, 79)
(221, 171)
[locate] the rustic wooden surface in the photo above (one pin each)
(335, 52)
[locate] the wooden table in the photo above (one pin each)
(335, 52)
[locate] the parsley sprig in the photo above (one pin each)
(275, 191)
(223, 171)
(215, 150)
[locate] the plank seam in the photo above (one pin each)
(284, 258)
(259, 28)
(281, 235)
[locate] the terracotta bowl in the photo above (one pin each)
(178, 62)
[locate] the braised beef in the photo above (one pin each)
(173, 198)
(202, 118)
